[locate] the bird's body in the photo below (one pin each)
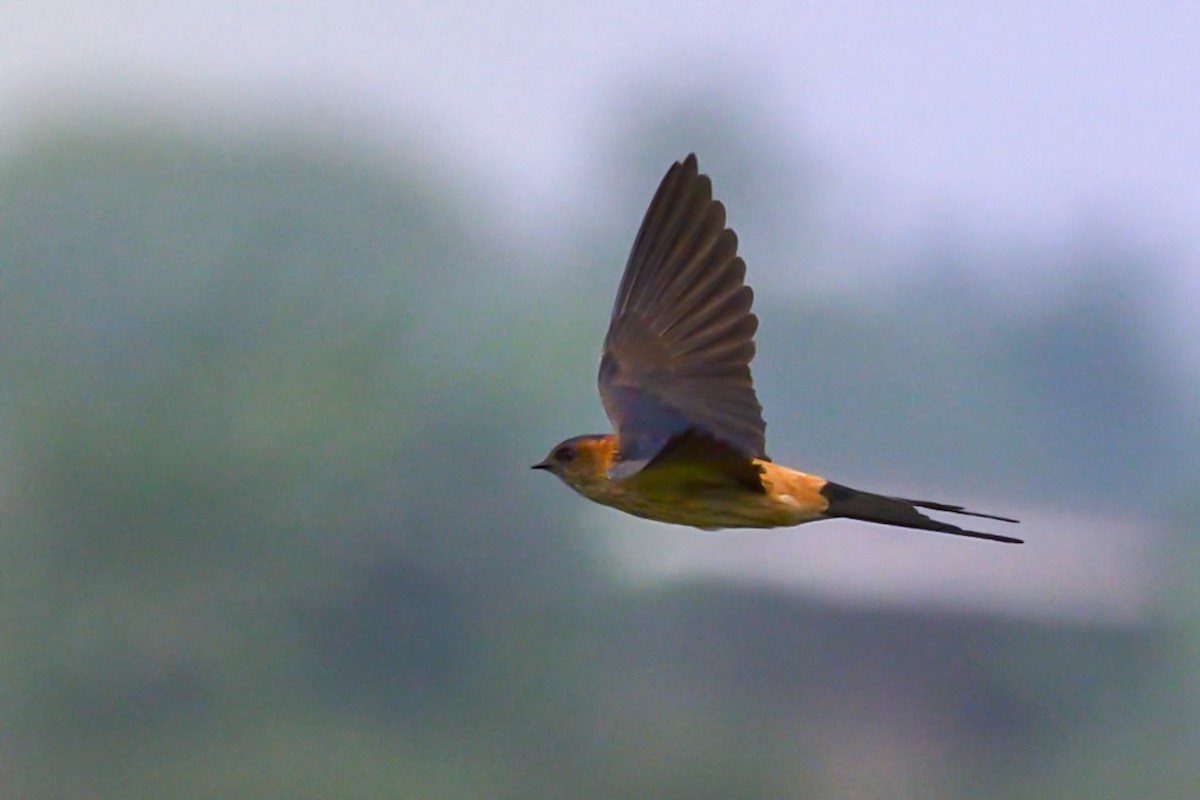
(675, 381)
(695, 493)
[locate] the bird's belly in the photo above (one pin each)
(709, 507)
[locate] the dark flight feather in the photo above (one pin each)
(679, 345)
(853, 504)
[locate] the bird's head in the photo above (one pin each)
(581, 461)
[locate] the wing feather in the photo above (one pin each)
(679, 345)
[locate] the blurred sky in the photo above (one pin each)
(1043, 124)
(1027, 117)
(1029, 121)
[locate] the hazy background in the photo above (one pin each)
(292, 294)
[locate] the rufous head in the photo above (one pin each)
(580, 460)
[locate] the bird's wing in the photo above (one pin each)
(678, 350)
(693, 458)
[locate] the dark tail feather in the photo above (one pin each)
(853, 504)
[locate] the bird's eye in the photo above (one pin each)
(564, 454)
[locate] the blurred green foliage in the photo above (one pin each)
(268, 531)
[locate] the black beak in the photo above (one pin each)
(541, 465)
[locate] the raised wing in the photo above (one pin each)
(678, 350)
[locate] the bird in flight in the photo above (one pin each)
(689, 446)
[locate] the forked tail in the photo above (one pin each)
(853, 504)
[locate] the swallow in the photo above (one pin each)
(689, 445)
